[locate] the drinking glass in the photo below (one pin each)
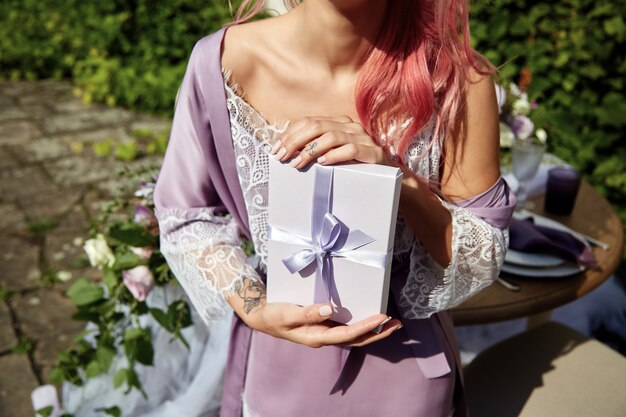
(526, 158)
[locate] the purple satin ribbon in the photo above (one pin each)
(329, 238)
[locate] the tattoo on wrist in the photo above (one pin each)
(252, 292)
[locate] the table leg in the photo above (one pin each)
(538, 319)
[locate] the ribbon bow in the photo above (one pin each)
(329, 238)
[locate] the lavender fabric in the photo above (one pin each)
(495, 205)
(199, 171)
(381, 379)
(526, 236)
(201, 126)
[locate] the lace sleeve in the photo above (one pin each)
(203, 251)
(478, 253)
(478, 250)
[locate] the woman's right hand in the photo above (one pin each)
(311, 325)
(308, 325)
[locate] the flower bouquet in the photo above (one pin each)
(522, 143)
(124, 246)
(515, 111)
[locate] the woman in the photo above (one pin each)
(387, 82)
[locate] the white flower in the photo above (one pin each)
(64, 276)
(146, 190)
(98, 252)
(515, 90)
(521, 107)
(144, 193)
(506, 136)
(541, 135)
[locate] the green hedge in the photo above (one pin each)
(133, 53)
(574, 50)
(130, 53)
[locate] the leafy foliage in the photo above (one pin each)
(142, 142)
(24, 346)
(570, 54)
(41, 226)
(111, 411)
(4, 293)
(133, 53)
(124, 236)
(45, 411)
(127, 53)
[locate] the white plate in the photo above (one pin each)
(536, 260)
(560, 271)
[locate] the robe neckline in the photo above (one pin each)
(232, 194)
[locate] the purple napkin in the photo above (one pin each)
(526, 236)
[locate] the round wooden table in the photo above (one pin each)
(593, 216)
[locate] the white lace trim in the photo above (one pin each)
(479, 248)
(478, 253)
(253, 138)
(203, 252)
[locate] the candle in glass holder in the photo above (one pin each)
(561, 190)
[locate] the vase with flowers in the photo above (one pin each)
(523, 143)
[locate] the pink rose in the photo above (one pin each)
(139, 281)
(143, 253)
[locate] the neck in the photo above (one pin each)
(335, 35)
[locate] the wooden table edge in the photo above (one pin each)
(478, 315)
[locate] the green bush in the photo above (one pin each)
(574, 51)
(133, 53)
(130, 53)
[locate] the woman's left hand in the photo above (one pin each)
(328, 140)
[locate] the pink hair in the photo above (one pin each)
(418, 66)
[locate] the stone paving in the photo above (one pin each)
(51, 187)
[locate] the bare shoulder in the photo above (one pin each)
(246, 46)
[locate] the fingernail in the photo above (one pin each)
(326, 311)
(399, 327)
(276, 147)
(321, 159)
(295, 161)
(281, 153)
(381, 325)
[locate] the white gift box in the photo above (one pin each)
(364, 197)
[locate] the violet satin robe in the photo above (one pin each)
(205, 120)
